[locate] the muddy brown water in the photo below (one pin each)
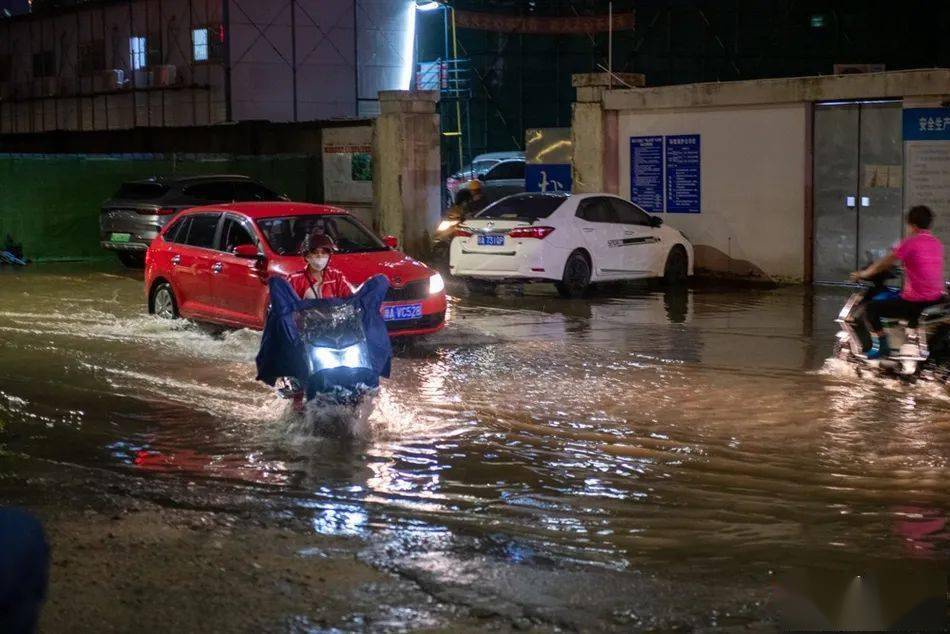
(693, 435)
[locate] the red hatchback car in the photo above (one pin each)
(212, 264)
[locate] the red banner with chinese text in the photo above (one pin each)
(542, 26)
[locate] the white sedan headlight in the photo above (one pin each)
(445, 225)
(436, 284)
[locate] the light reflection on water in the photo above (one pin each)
(656, 427)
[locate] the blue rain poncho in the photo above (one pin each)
(24, 571)
(296, 326)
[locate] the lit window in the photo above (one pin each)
(199, 44)
(137, 48)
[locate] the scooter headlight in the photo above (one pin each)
(351, 357)
(436, 284)
(445, 225)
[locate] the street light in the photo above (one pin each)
(428, 6)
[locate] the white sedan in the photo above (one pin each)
(571, 240)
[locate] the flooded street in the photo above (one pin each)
(640, 459)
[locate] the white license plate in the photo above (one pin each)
(402, 312)
(491, 241)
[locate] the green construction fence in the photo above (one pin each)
(50, 202)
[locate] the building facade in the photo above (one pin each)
(118, 64)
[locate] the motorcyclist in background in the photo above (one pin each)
(470, 207)
(922, 257)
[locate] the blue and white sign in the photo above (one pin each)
(682, 174)
(927, 124)
(646, 172)
(550, 177)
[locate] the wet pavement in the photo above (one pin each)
(644, 458)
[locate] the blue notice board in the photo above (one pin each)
(682, 174)
(548, 177)
(927, 124)
(646, 172)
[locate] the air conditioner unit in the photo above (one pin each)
(142, 78)
(164, 75)
(857, 69)
(111, 79)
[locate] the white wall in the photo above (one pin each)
(753, 177)
(339, 187)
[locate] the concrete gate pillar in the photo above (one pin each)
(594, 131)
(407, 168)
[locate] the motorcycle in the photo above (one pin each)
(919, 352)
(325, 351)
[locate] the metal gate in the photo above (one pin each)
(858, 180)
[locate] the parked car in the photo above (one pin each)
(503, 179)
(476, 169)
(132, 218)
(212, 264)
(571, 240)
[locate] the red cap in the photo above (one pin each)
(317, 241)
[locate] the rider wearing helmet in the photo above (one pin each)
(476, 202)
(922, 256)
(319, 280)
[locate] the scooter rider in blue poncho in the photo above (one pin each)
(334, 346)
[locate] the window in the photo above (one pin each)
(202, 230)
(596, 210)
(506, 170)
(628, 213)
(286, 235)
(253, 191)
(523, 207)
(234, 234)
(480, 168)
(43, 64)
(180, 226)
(140, 191)
(138, 51)
(92, 57)
(207, 44)
(199, 44)
(213, 191)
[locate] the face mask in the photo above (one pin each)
(319, 262)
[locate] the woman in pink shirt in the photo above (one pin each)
(922, 256)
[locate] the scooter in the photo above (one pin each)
(920, 352)
(442, 242)
(332, 351)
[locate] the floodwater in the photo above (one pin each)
(641, 452)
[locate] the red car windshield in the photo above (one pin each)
(286, 234)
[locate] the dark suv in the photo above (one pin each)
(137, 212)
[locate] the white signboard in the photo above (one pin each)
(348, 165)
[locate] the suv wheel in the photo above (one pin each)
(164, 303)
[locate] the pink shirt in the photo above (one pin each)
(922, 255)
